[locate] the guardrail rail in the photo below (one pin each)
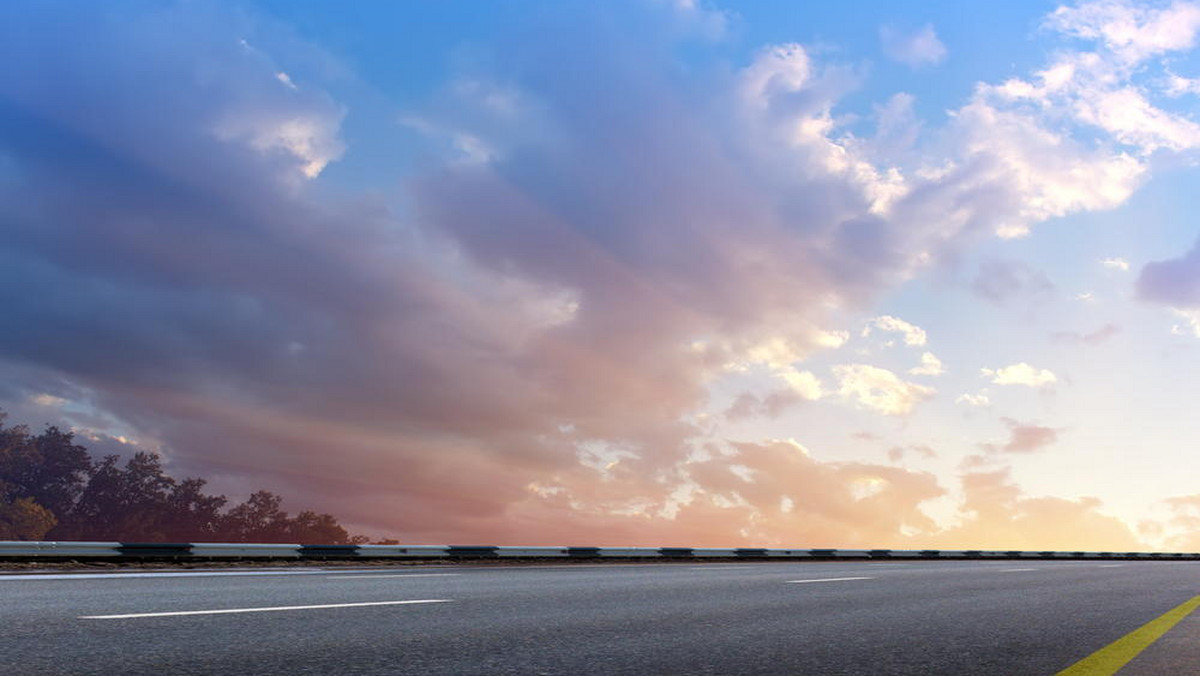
(156, 551)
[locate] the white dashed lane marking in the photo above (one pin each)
(829, 579)
(379, 575)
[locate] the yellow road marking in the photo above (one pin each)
(1110, 658)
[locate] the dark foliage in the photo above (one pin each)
(51, 489)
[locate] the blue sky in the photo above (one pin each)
(642, 272)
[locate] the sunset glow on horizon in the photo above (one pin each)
(643, 273)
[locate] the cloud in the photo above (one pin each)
(913, 335)
(778, 355)
(1000, 281)
(1178, 86)
(1174, 281)
(930, 366)
(518, 351)
(999, 516)
(1132, 31)
(804, 384)
(1182, 527)
(916, 49)
(898, 453)
(1021, 374)
(777, 352)
(1019, 125)
(1097, 337)
(897, 130)
(767, 493)
(748, 405)
(1033, 171)
(1029, 438)
(1094, 87)
(1024, 438)
(832, 339)
(703, 19)
(100, 445)
(1191, 322)
(878, 389)
(44, 399)
(974, 400)
(1115, 264)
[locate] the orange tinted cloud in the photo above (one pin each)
(997, 516)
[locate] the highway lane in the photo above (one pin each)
(995, 617)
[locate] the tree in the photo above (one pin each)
(141, 502)
(190, 515)
(50, 468)
(39, 476)
(24, 519)
(309, 527)
(258, 519)
(50, 487)
(120, 504)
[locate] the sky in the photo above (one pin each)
(642, 272)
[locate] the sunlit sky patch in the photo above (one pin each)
(646, 272)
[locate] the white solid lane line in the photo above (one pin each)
(828, 579)
(133, 576)
(1017, 570)
(37, 577)
(225, 611)
(1111, 565)
(372, 577)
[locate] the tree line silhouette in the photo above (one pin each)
(52, 489)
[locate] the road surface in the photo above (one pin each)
(977, 617)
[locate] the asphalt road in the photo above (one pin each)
(1002, 617)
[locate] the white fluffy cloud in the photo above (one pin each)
(1023, 131)
(1190, 325)
(1021, 374)
(1115, 264)
(1177, 85)
(1046, 172)
(1134, 31)
(804, 383)
(1098, 88)
(913, 334)
(974, 400)
(878, 389)
(930, 366)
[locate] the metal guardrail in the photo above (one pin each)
(227, 550)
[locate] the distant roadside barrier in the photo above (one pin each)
(157, 551)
